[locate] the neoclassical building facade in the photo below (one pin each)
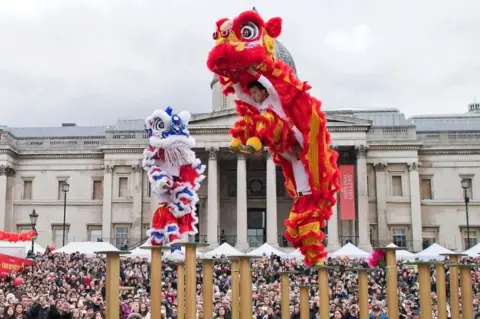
(407, 174)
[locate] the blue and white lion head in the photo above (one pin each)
(167, 130)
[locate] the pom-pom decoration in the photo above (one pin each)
(16, 237)
(377, 259)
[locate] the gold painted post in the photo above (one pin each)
(304, 302)
(454, 296)
(235, 289)
(190, 277)
(207, 288)
(323, 287)
(467, 295)
(155, 279)
(181, 290)
(392, 288)
(113, 282)
(441, 291)
(246, 303)
(425, 290)
(285, 293)
(363, 291)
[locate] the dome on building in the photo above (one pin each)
(282, 54)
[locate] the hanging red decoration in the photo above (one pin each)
(16, 237)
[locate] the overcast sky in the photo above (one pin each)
(95, 61)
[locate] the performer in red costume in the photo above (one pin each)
(175, 174)
(279, 114)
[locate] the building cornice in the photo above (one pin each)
(394, 147)
(60, 155)
(446, 151)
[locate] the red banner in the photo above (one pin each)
(9, 263)
(347, 192)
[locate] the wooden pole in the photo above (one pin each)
(441, 291)
(425, 290)
(190, 281)
(235, 289)
(181, 290)
(156, 281)
(454, 297)
(323, 287)
(207, 288)
(246, 304)
(392, 288)
(113, 283)
(467, 296)
(304, 306)
(285, 294)
(363, 292)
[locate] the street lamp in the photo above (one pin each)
(466, 185)
(65, 189)
(33, 221)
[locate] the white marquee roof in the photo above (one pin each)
(223, 250)
(350, 251)
(433, 252)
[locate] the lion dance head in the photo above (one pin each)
(242, 42)
(168, 133)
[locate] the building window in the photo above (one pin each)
(426, 188)
(57, 235)
(397, 190)
(61, 193)
(27, 190)
(474, 234)
(122, 187)
(224, 102)
(149, 189)
(121, 236)
(94, 233)
(399, 237)
(145, 227)
(97, 190)
(23, 228)
(469, 189)
(429, 237)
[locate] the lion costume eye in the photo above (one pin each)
(158, 124)
(249, 31)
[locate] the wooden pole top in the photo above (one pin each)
(463, 265)
(191, 244)
(153, 247)
(362, 269)
(112, 252)
(306, 286)
(387, 248)
(288, 272)
(242, 257)
(454, 254)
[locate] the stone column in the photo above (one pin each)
(107, 205)
(212, 198)
(362, 190)
(415, 206)
(333, 239)
(6, 199)
(272, 227)
(137, 235)
(242, 218)
(384, 237)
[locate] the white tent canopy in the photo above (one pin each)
(265, 250)
(223, 250)
(8, 248)
(88, 248)
(433, 252)
(146, 253)
(350, 251)
(402, 254)
(296, 254)
(473, 251)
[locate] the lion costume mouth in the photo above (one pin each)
(225, 57)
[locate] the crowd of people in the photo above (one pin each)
(73, 286)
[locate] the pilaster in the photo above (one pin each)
(6, 197)
(272, 227)
(362, 196)
(333, 239)
(212, 197)
(107, 204)
(381, 182)
(242, 218)
(137, 204)
(415, 206)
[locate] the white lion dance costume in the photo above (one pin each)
(174, 173)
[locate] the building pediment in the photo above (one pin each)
(229, 116)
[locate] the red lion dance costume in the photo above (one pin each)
(248, 42)
(174, 173)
